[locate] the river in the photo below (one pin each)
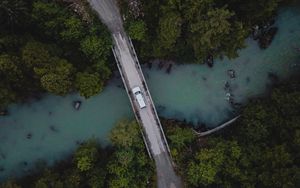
(50, 129)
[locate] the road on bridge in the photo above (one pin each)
(132, 76)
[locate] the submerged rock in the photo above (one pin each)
(256, 32)
(29, 136)
(227, 86)
(24, 163)
(169, 68)
(210, 61)
(53, 128)
(77, 105)
(231, 73)
(160, 65)
(248, 79)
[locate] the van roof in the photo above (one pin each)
(136, 89)
(140, 100)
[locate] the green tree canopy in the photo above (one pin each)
(86, 156)
(95, 47)
(35, 54)
(137, 30)
(88, 84)
(56, 84)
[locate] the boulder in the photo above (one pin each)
(160, 65)
(210, 61)
(231, 73)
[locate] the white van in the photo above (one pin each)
(139, 97)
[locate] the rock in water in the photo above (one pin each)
(231, 73)
(160, 65)
(53, 128)
(29, 136)
(210, 61)
(77, 105)
(169, 68)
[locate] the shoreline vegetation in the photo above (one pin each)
(45, 47)
(62, 47)
(197, 31)
(260, 149)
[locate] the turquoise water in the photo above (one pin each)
(50, 129)
(56, 128)
(196, 93)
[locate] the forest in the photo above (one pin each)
(261, 149)
(191, 31)
(46, 48)
(55, 47)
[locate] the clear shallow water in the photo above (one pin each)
(56, 128)
(196, 93)
(191, 92)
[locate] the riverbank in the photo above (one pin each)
(260, 149)
(195, 93)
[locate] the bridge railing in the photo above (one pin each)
(148, 92)
(136, 113)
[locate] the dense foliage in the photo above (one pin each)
(46, 47)
(124, 165)
(193, 29)
(260, 150)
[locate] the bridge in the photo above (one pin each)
(132, 76)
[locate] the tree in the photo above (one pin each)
(254, 13)
(126, 134)
(169, 30)
(95, 48)
(13, 12)
(35, 54)
(49, 17)
(88, 84)
(211, 163)
(73, 29)
(56, 65)
(9, 71)
(181, 137)
(97, 178)
(49, 179)
(137, 30)
(280, 161)
(129, 166)
(208, 31)
(56, 84)
(86, 156)
(9, 184)
(7, 96)
(72, 178)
